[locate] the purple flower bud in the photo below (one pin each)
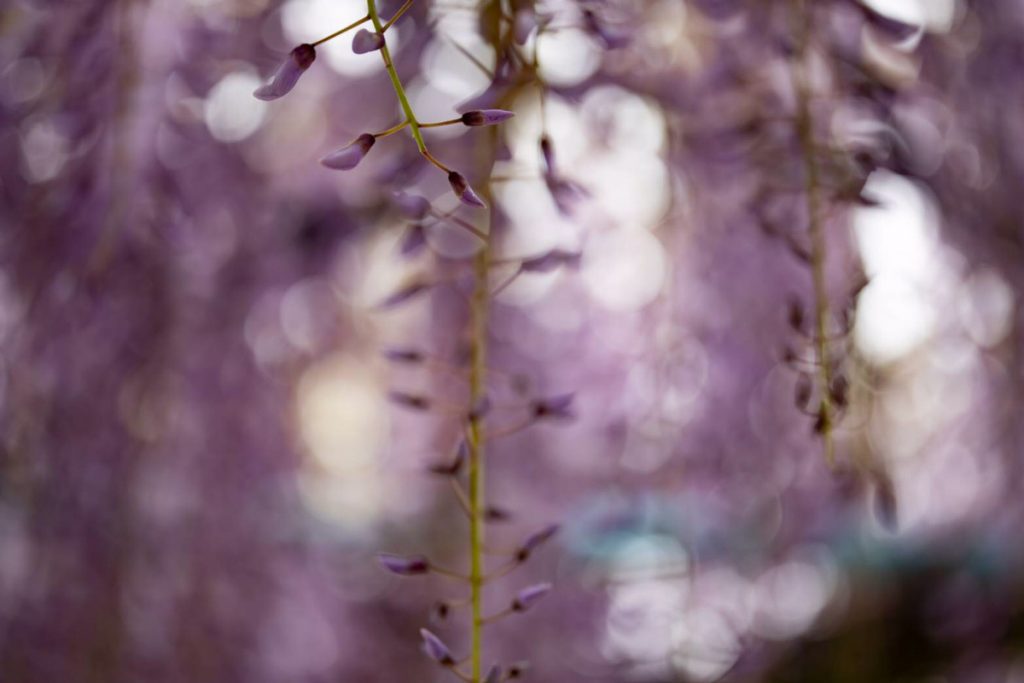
(555, 408)
(517, 670)
(440, 611)
(436, 649)
(547, 262)
(452, 469)
(530, 596)
(411, 206)
(409, 291)
(493, 513)
(287, 75)
(404, 566)
(348, 157)
(535, 540)
(486, 117)
(493, 674)
(367, 41)
(411, 356)
(413, 401)
(463, 191)
(413, 241)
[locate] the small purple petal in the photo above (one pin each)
(452, 469)
(436, 649)
(493, 674)
(535, 540)
(287, 75)
(367, 41)
(413, 241)
(545, 263)
(555, 408)
(463, 191)
(404, 566)
(486, 117)
(409, 291)
(413, 401)
(411, 206)
(530, 596)
(348, 157)
(400, 355)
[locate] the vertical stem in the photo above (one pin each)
(396, 82)
(477, 381)
(805, 130)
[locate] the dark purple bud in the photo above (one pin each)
(517, 670)
(407, 292)
(463, 191)
(348, 157)
(496, 514)
(436, 649)
(453, 469)
(802, 393)
(367, 41)
(413, 241)
(530, 596)
(411, 206)
(413, 401)
(547, 262)
(493, 674)
(795, 314)
(554, 408)
(411, 356)
(548, 151)
(404, 566)
(839, 391)
(440, 611)
(535, 540)
(486, 117)
(287, 75)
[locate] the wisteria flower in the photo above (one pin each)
(367, 41)
(486, 117)
(349, 156)
(436, 649)
(463, 191)
(287, 75)
(404, 566)
(530, 596)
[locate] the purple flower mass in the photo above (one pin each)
(724, 384)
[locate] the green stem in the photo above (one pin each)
(342, 30)
(396, 82)
(477, 381)
(805, 130)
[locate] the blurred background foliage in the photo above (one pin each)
(199, 459)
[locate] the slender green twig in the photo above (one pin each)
(337, 33)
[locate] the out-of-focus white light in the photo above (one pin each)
(567, 56)
(935, 15)
(705, 644)
(230, 111)
(43, 151)
(452, 72)
(790, 597)
(342, 419)
(897, 242)
(624, 270)
(306, 21)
